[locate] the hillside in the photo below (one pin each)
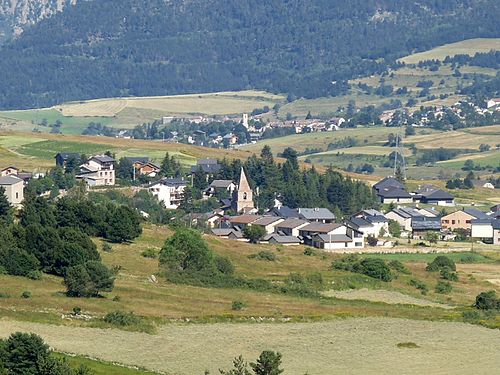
(16, 15)
(309, 49)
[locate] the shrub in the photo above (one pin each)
(443, 287)
(4, 295)
(376, 268)
(88, 280)
(441, 262)
(254, 233)
(77, 310)
(407, 345)
(150, 253)
(224, 265)
(122, 318)
(487, 301)
(26, 294)
(447, 274)
(264, 255)
(309, 251)
(420, 285)
(372, 241)
(471, 315)
(238, 305)
(107, 248)
(398, 266)
(34, 275)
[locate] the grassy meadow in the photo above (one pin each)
(465, 47)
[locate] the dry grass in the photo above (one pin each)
(467, 47)
(223, 103)
(456, 139)
(354, 346)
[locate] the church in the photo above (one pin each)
(242, 201)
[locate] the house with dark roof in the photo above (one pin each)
(319, 215)
(389, 182)
(221, 188)
(345, 240)
(462, 219)
(169, 191)
(209, 166)
(430, 194)
(285, 212)
(268, 223)
(275, 239)
(392, 194)
(404, 216)
(99, 170)
(63, 157)
(9, 171)
(290, 227)
(421, 225)
(379, 223)
(488, 230)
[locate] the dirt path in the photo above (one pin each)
(385, 296)
(351, 346)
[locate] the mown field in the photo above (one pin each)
(346, 346)
(465, 47)
(32, 151)
(126, 113)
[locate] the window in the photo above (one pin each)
(17, 195)
(358, 244)
(453, 221)
(245, 196)
(467, 221)
(346, 244)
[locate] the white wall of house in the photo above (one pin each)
(405, 223)
(482, 230)
(15, 193)
(396, 200)
(295, 232)
(170, 196)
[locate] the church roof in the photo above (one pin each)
(243, 184)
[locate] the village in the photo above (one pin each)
(427, 213)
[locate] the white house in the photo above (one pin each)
(493, 103)
(268, 223)
(343, 238)
(98, 171)
(290, 227)
(14, 189)
(169, 191)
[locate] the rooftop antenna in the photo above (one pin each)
(399, 156)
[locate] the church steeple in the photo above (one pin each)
(243, 195)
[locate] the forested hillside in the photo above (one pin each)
(306, 48)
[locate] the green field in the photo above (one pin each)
(463, 257)
(101, 367)
(466, 47)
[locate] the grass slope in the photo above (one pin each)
(465, 47)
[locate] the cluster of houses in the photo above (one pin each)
(390, 190)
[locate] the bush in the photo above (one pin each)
(443, 287)
(238, 305)
(471, 315)
(372, 241)
(487, 301)
(420, 285)
(264, 255)
(224, 265)
(122, 318)
(376, 268)
(407, 345)
(34, 275)
(150, 253)
(4, 295)
(441, 262)
(254, 233)
(77, 310)
(309, 251)
(447, 274)
(88, 280)
(26, 294)
(107, 248)
(399, 267)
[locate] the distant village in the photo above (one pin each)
(412, 214)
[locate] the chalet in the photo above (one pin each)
(220, 188)
(148, 169)
(62, 158)
(404, 216)
(290, 227)
(169, 191)
(228, 233)
(98, 171)
(9, 171)
(388, 182)
(240, 222)
(283, 240)
(377, 219)
(493, 103)
(393, 194)
(268, 223)
(421, 225)
(285, 212)
(366, 227)
(318, 215)
(229, 140)
(209, 166)
(14, 189)
(343, 237)
(429, 194)
(462, 219)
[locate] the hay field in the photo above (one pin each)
(467, 47)
(223, 103)
(350, 346)
(458, 139)
(363, 150)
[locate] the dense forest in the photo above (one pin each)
(304, 48)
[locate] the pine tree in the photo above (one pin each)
(5, 206)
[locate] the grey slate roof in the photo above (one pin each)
(266, 220)
(407, 212)
(221, 183)
(316, 214)
(320, 227)
(359, 222)
(377, 219)
(388, 182)
(208, 166)
(103, 159)
(286, 212)
(393, 192)
(291, 223)
(285, 239)
(476, 213)
(9, 180)
(426, 224)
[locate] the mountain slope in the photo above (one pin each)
(15, 15)
(305, 47)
